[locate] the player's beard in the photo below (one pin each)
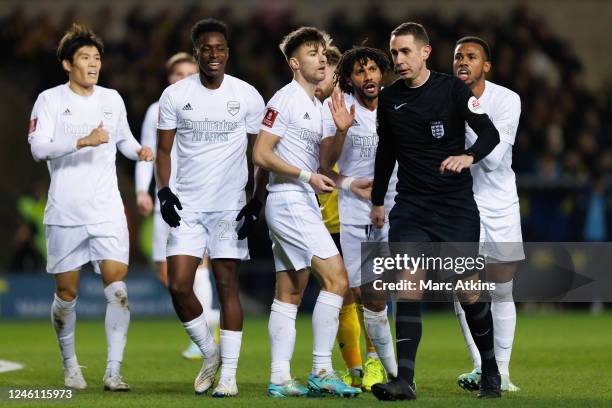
(360, 93)
(476, 79)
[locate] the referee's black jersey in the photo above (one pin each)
(420, 127)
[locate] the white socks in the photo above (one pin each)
(281, 329)
(324, 329)
(63, 317)
(116, 324)
(202, 287)
(503, 311)
(199, 332)
(230, 351)
(504, 323)
(377, 327)
(467, 335)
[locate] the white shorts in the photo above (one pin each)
(351, 237)
(212, 232)
(160, 237)
(69, 248)
(501, 239)
(297, 230)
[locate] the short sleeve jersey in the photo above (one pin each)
(83, 187)
(211, 140)
(357, 160)
(495, 191)
(296, 118)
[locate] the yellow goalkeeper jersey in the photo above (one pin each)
(329, 209)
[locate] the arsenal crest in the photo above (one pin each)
(107, 112)
(437, 129)
(233, 107)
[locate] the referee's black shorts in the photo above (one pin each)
(418, 223)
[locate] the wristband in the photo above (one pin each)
(304, 176)
(346, 183)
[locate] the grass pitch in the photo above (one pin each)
(559, 360)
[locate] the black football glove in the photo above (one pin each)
(167, 202)
(250, 213)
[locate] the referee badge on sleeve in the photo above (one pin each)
(437, 129)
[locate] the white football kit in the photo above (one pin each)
(494, 180)
(211, 167)
(84, 216)
(292, 212)
(357, 160)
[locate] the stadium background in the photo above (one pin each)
(555, 54)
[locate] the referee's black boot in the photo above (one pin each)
(490, 385)
(395, 390)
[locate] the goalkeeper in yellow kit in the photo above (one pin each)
(351, 314)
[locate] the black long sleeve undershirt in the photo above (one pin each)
(420, 128)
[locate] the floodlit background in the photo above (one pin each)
(554, 54)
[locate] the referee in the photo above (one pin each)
(421, 125)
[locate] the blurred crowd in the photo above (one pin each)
(562, 153)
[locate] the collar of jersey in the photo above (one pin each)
(424, 82)
(297, 84)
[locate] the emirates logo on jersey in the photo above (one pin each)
(233, 107)
(270, 117)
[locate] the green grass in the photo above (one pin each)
(559, 360)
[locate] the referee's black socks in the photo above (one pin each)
(480, 321)
(408, 328)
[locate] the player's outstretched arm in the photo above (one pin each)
(143, 172)
(362, 188)
(132, 150)
(264, 156)
(337, 121)
(126, 143)
(327, 158)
